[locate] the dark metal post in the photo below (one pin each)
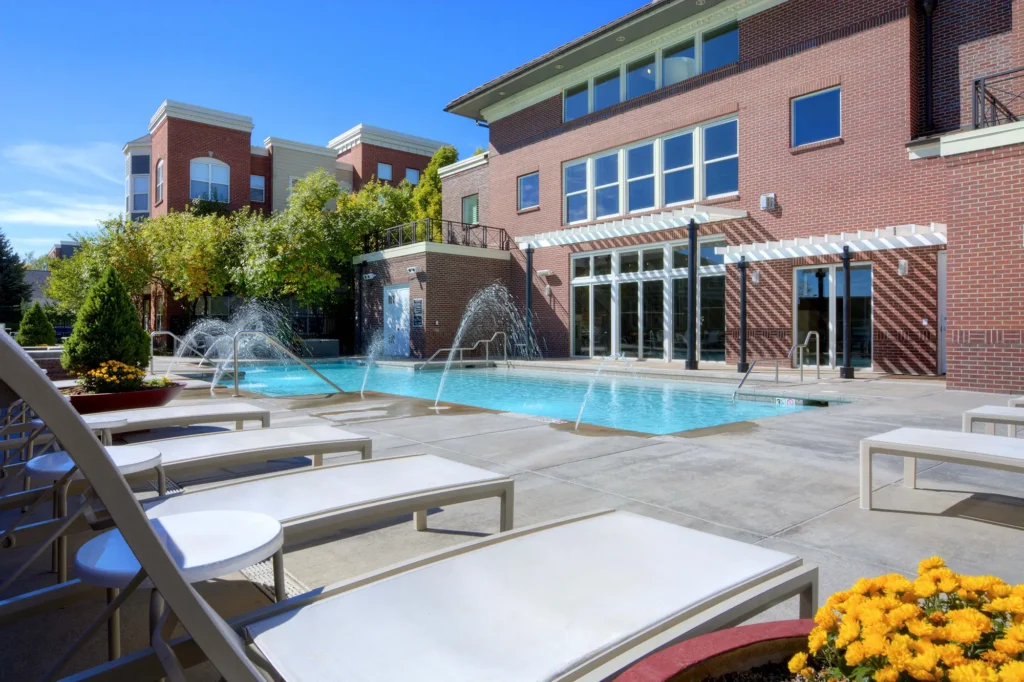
(846, 371)
(691, 297)
(529, 297)
(929, 108)
(359, 307)
(743, 365)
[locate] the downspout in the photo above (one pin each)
(929, 105)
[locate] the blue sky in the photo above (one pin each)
(80, 79)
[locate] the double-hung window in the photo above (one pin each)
(606, 185)
(210, 179)
(159, 181)
(257, 188)
(575, 182)
(528, 191)
(471, 209)
(677, 164)
(816, 117)
(640, 176)
(721, 159)
(140, 193)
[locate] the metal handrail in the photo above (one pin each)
(745, 375)
(177, 338)
(281, 346)
(487, 350)
(988, 109)
(799, 348)
(447, 232)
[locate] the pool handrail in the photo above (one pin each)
(487, 350)
(280, 346)
(154, 334)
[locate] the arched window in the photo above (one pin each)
(210, 179)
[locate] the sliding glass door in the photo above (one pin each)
(818, 307)
(712, 318)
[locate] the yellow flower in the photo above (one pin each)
(817, 639)
(855, 653)
(973, 617)
(887, 674)
(898, 652)
(930, 563)
(798, 662)
(961, 633)
(1013, 604)
(897, 584)
(951, 655)
(922, 666)
(1012, 672)
(995, 657)
(874, 644)
(825, 618)
(901, 614)
(848, 631)
(1010, 647)
(948, 584)
(974, 671)
(920, 628)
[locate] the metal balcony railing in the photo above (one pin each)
(998, 98)
(447, 232)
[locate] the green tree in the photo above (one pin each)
(427, 195)
(13, 287)
(70, 279)
(479, 150)
(364, 217)
(35, 329)
(107, 328)
(34, 262)
(192, 252)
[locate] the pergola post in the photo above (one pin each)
(529, 298)
(743, 365)
(691, 297)
(846, 371)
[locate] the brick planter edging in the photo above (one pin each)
(664, 665)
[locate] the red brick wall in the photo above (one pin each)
(455, 187)
(263, 165)
(365, 157)
(178, 141)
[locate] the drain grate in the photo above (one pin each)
(261, 575)
(173, 487)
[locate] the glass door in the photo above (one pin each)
(712, 318)
(814, 309)
(581, 321)
(819, 308)
(654, 319)
(680, 304)
(629, 318)
(602, 320)
(860, 316)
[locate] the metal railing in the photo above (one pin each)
(178, 339)
(799, 349)
(486, 343)
(274, 342)
(447, 232)
(998, 98)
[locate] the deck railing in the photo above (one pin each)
(998, 98)
(447, 232)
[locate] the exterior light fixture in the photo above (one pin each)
(413, 269)
(545, 273)
(768, 202)
(368, 277)
(902, 268)
(755, 276)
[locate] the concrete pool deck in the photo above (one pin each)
(787, 482)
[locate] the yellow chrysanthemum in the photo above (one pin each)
(1010, 647)
(930, 563)
(855, 653)
(961, 633)
(974, 671)
(849, 630)
(817, 639)
(920, 628)
(995, 657)
(924, 588)
(825, 617)
(1012, 672)
(1012, 604)
(973, 617)
(951, 655)
(798, 662)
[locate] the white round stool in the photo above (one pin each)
(103, 424)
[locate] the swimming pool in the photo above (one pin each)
(645, 405)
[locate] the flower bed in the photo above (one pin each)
(117, 386)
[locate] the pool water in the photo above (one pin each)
(645, 405)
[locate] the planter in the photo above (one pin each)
(720, 653)
(88, 403)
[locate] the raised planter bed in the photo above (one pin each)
(720, 653)
(88, 403)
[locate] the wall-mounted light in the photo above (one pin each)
(368, 277)
(413, 269)
(545, 273)
(768, 201)
(755, 276)
(902, 268)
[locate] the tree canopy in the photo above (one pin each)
(427, 196)
(13, 287)
(107, 328)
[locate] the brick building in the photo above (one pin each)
(193, 152)
(769, 137)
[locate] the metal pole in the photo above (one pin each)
(359, 308)
(151, 369)
(929, 108)
(234, 361)
(529, 298)
(846, 371)
(691, 297)
(743, 366)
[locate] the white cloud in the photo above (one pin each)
(34, 207)
(80, 164)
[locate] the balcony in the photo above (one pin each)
(998, 99)
(447, 232)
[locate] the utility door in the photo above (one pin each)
(396, 320)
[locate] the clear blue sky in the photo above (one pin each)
(80, 79)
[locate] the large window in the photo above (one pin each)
(159, 181)
(140, 193)
(528, 191)
(816, 117)
(383, 171)
(257, 188)
(471, 209)
(681, 167)
(633, 77)
(412, 175)
(210, 179)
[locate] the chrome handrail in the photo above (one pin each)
(275, 342)
(487, 350)
(177, 338)
(745, 375)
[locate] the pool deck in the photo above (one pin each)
(788, 482)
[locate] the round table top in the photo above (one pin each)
(204, 544)
(129, 459)
(100, 421)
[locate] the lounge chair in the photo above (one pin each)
(990, 415)
(993, 452)
(565, 600)
(1015, 402)
(204, 412)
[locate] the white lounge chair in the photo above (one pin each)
(566, 600)
(990, 415)
(993, 452)
(191, 414)
(1015, 402)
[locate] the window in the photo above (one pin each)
(575, 102)
(679, 62)
(606, 90)
(640, 77)
(640, 174)
(529, 191)
(629, 262)
(721, 159)
(682, 167)
(677, 163)
(383, 171)
(292, 181)
(720, 47)
(606, 181)
(257, 187)
(816, 117)
(140, 193)
(471, 209)
(210, 180)
(581, 267)
(140, 164)
(576, 192)
(603, 265)
(654, 259)
(159, 181)
(412, 175)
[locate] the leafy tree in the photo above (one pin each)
(13, 287)
(70, 279)
(34, 262)
(427, 196)
(479, 150)
(364, 217)
(35, 329)
(192, 252)
(107, 328)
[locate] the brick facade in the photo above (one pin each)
(464, 184)
(263, 165)
(365, 157)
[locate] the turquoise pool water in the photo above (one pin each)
(645, 405)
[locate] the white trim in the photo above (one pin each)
(897, 237)
(256, 150)
(472, 162)
(519, 191)
(191, 112)
(381, 137)
(981, 139)
(925, 150)
(431, 247)
(297, 146)
(655, 222)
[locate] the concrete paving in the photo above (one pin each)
(787, 482)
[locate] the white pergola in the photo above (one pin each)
(629, 227)
(897, 237)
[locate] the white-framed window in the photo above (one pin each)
(292, 180)
(672, 63)
(159, 181)
(412, 175)
(471, 209)
(677, 168)
(383, 171)
(816, 117)
(140, 192)
(528, 191)
(257, 188)
(210, 179)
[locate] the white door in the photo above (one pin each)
(942, 312)
(396, 320)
